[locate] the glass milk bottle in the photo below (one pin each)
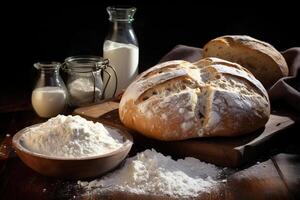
(121, 48)
(49, 97)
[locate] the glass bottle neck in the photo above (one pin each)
(48, 75)
(47, 71)
(122, 32)
(51, 67)
(49, 78)
(117, 13)
(120, 26)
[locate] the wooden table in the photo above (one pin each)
(273, 177)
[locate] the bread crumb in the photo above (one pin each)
(185, 126)
(181, 110)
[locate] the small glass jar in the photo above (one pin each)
(84, 81)
(49, 96)
(121, 47)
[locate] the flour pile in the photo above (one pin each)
(71, 137)
(150, 172)
(85, 90)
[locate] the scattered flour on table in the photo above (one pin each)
(71, 137)
(150, 172)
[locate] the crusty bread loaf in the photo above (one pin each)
(177, 100)
(261, 58)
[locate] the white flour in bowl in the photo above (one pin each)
(150, 172)
(71, 137)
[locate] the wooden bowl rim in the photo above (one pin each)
(124, 133)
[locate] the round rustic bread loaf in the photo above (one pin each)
(261, 58)
(177, 100)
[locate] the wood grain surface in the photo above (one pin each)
(274, 177)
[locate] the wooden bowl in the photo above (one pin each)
(73, 168)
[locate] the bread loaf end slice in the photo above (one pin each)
(261, 58)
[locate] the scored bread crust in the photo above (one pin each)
(261, 58)
(177, 100)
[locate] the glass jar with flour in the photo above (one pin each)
(121, 48)
(49, 96)
(84, 81)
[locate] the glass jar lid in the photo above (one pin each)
(86, 63)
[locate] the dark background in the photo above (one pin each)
(52, 32)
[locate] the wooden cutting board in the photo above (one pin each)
(230, 152)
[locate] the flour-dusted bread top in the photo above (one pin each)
(261, 58)
(177, 100)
